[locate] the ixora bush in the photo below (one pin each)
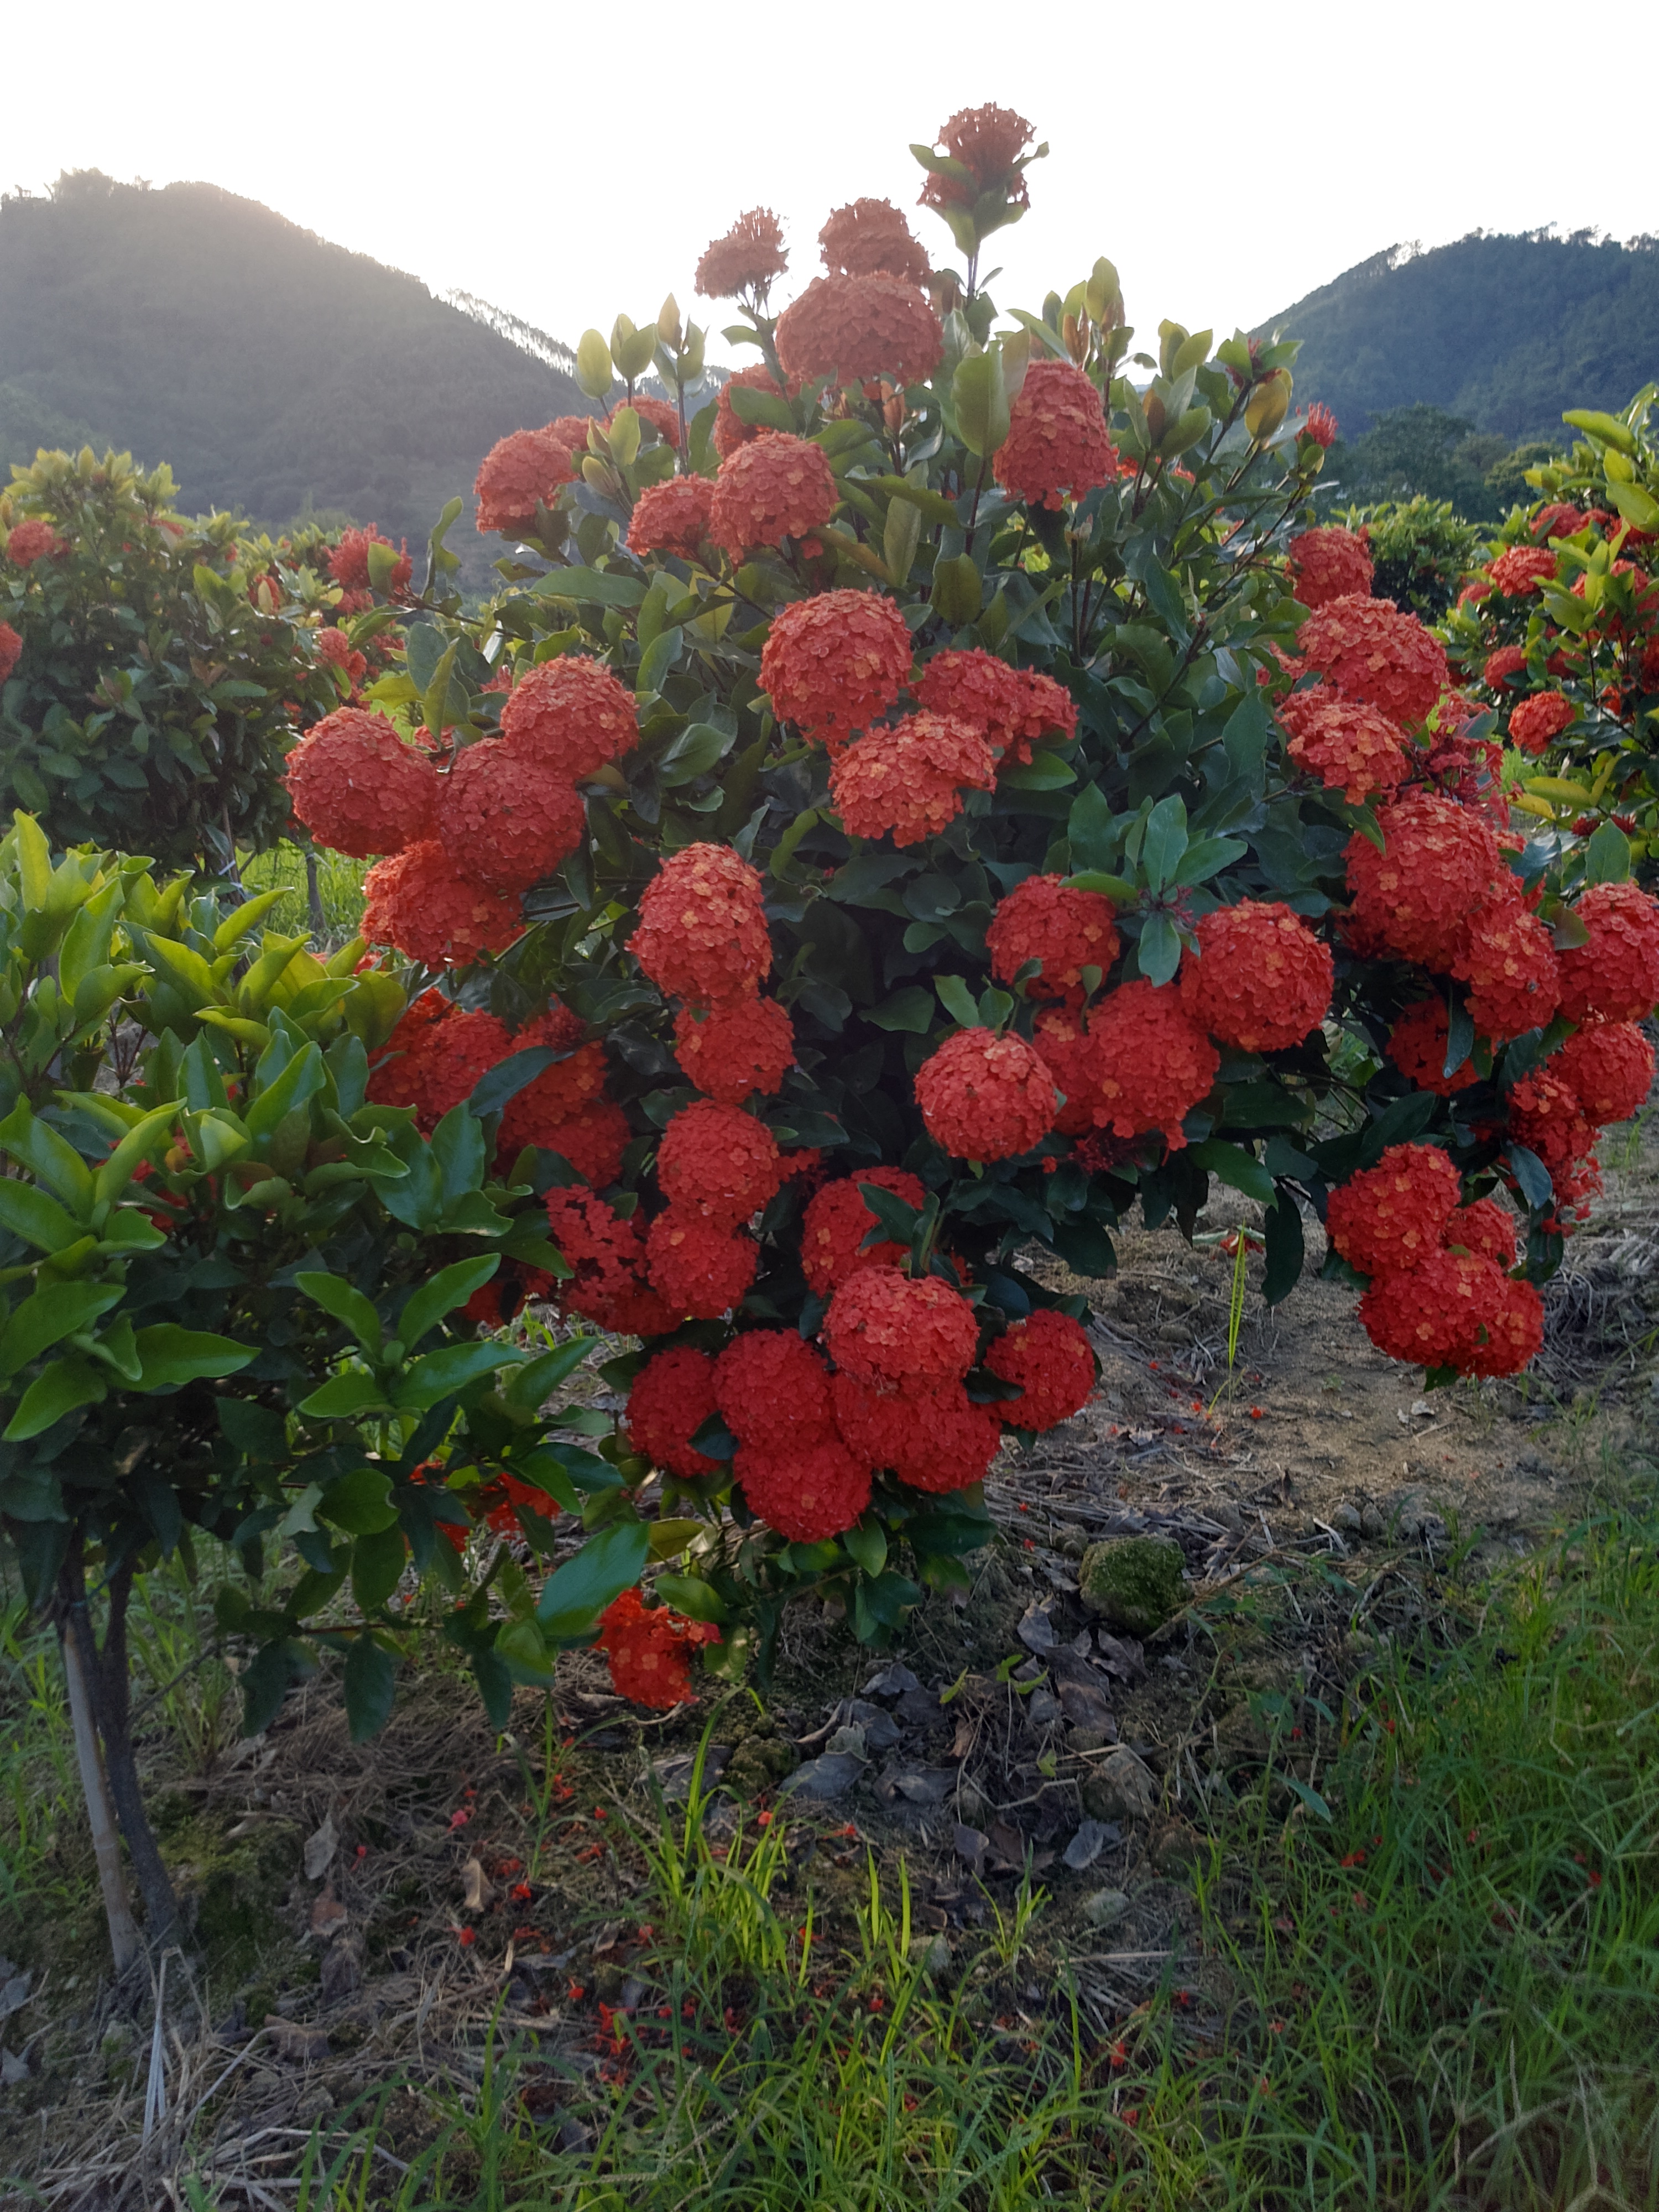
(1559, 631)
(910, 812)
(153, 671)
(239, 1299)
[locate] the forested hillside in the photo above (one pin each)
(274, 371)
(1503, 331)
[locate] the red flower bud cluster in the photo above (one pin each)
(1390, 1217)
(908, 781)
(1048, 1355)
(738, 1047)
(1351, 747)
(836, 1221)
(852, 328)
(1329, 563)
(1011, 708)
(519, 470)
(650, 1649)
(669, 1400)
(359, 788)
(1321, 426)
(1065, 930)
(1370, 651)
(1057, 443)
(892, 1334)
(718, 1163)
(1616, 976)
(774, 487)
(671, 517)
(984, 1097)
(348, 563)
(334, 647)
(835, 663)
(1536, 722)
(1260, 980)
(703, 933)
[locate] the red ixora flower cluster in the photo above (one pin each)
(838, 1221)
(718, 1162)
(854, 328)
(703, 933)
(11, 650)
(1522, 570)
(520, 471)
(907, 781)
(731, 431)
(1438, 864)
(1329, 563)
(668, 1401)
(1139, 1064)
(1048, 1355)
(775, 486)
(1417, 1044)
(671, 517)
(1064, 930)
(1057, 443)
(1011, 708)
(607, 1256)
(736, 1047)
(1351, 747)
(743, 264)
(870, 238)
(986, 1097)
(31, 540)
(892, 1332)
(348, 563)
(835, 663)
(989, 142)
(1260, 980)
(1369, 650)
(649, 1648)
(1615, 976)
(359, 788)
(1536, 722)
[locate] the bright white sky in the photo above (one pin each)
(568, 162)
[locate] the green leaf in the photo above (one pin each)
(449, 1288)
(58, 1389)
(1092, 830)
(1236, 1167)
(957, 1000)
(1118, 888)
(544, 1469)
(1285, 1251)
(1529, 1173)
(172, 1355)
(1163, 843)
(360, 1503)
(371, 1686)
(442, 1373)
(1206, 856)
(933, 506)
(29, 1213)
(611, 1562)
(1607, 856)
(338, 1297)
(1305, 1790)
(657, 661)
(342, 1397)
(41, 1150)
(693, 753)
(766, 410)
(377, 1566)
(300, 1078)
(536, 1381)
(910, 1009)
(695, 1599)
(1044, 771)
(1086, 1249)
(1635, 506)
(979, 398)
(55, 1311)
(1160, 948)
(144, 1138)
(521, 1646)
(589, 587)
(868, 1542)
(508, 1078)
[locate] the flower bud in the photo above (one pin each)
(593, 370)
(1103, 296)
(1268, 404)
(668, 322)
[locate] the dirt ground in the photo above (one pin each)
(365, 1913)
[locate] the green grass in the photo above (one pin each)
(339, 882)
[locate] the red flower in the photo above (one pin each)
(773, 1391)
(1510, 965)
(1011, 708)
(1438, 864)
(1547, 1117)
(737, 1048)
(541, 1114)
(672, 1395)
(1498, 667)
(702, 926)
(777, 486)
(984, 1097)
(1616, 975)
(334, 647)
(348, 563)
(1260, 981)
(1329, 563)
(506, 818)
(835, 663)
(745, 260)
(1370, 651)
(836, 1221)
(650, 1651)
(608, 1255)
(11, 650)
(1061, 1038)
(807, 1494)
(908, 781)
(519, 473)
(359, 788)
(891, 1333)
(1483, 1228)
(1048, 1355)
(1559, 520)
(1522, 570)
(699, 1267)
(718, 1162)
(1065, 930)
(594, 1141)
(1057, 440)
(571, 431)
(33, 540)
(934, 1440)
(1149, 1062)
(870, 238)
(990, 142)
(655, 414)
(1609, 1066)
(852, 328)
(1321, 426)
(1417, 1046)
(1536, 722)
(731, 431)
(1390, 1217)
(572, 716)
(671, 518)
(1455, 1311)
(419, 902)
(399, 1076)
(454, 1057)
(1351, 747)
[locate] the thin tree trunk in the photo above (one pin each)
(314, 893)
(124, 1939)
(107, 1674)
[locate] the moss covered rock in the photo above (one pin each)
(1134, 1583)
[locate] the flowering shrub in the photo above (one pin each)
(980, 836)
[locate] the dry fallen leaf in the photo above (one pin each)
(328, 1915)
(292, 2040)
(321, 1848)
(475, 1894)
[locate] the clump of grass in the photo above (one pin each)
(339, 887)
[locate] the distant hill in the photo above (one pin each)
(1505, 332)
(276, 373)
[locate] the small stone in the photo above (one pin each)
(1121, 1788)
(1346, 1521)
(1135, 1582)
(1086, 1846)
(1176, 1849)
(1372, 1524)
(1105, 1908)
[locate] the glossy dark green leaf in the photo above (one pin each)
(370, 1682)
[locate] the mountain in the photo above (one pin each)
(1504, 332)
(276, 373)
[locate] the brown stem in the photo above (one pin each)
(73, 1632)
(111, 1708)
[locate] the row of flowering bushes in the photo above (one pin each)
(910, 812)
